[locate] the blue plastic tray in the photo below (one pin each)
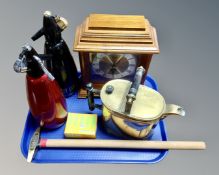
(91, 155)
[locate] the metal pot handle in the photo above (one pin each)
(123, 125)
(90, 95)
(172, 109)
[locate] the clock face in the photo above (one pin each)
(113, 66)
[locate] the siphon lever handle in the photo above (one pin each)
(38, 34)
(50, 76)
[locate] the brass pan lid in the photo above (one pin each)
(149, 104)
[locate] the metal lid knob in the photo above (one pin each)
(109, 89)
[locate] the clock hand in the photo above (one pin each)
(108, 70)
(109, 59)
(119, 59)
(118, 70)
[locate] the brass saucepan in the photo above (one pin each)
(131, 109)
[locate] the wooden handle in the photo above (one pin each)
(122, 144)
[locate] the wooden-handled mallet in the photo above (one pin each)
(109, 144)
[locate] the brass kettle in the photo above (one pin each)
(131, 109)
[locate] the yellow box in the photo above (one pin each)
(81, 126)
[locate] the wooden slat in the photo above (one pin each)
(109, 31)
(116, 22)
(116, 40)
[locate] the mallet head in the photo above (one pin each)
(34, 143)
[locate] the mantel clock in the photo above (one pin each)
(112, 47)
